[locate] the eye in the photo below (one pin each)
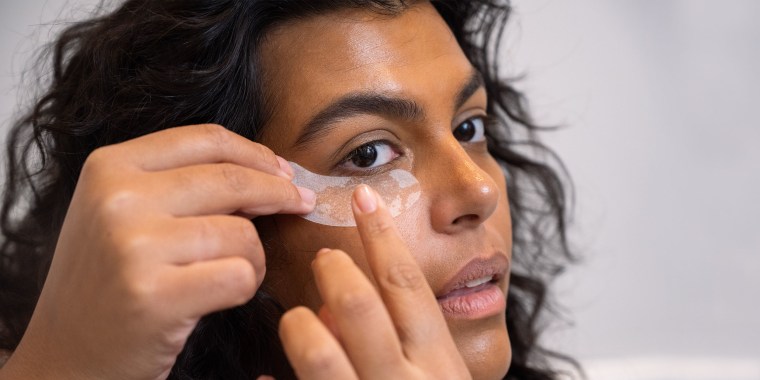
(471, 130)
(371, 155)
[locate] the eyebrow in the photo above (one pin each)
(355, 104)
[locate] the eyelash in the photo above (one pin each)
(485, 121)
(371, 169)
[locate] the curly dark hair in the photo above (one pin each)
(153, 64)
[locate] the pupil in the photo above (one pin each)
(364, 156)
(465, 131)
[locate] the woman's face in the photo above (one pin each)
(460, 226)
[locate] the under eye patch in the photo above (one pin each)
(399, 189)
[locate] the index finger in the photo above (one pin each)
(201, 144)
(402, 285)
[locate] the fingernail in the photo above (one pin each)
(285, 167)
(308, 196)
(365, 199)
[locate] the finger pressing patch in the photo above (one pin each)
(398, 188)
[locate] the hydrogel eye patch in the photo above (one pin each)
(398, 188)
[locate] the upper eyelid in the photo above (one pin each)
(362, 138)
(483, 117)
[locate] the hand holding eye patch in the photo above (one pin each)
(151, 243)
(393, 332)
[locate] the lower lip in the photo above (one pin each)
(479, 302)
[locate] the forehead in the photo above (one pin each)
(309, 63)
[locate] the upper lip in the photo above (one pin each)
(495, 265)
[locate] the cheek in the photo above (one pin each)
(290, 243)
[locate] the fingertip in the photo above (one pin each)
(325, 259)
(365, 199)
(285, 167)
(244, 280)
(308, 198)
(292, 319)
(295, 314)
(260, 274)
(321, 255)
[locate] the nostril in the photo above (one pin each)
(466, 219)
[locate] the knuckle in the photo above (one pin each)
(319, 358)
(182, 179)
(141, 291)
(266, 154)
(251, 236)
(285, 191)
(241, 282)
(113, 203)
(218, 136)
(251, 246)
(356, 303)
(248, 232)
(134, 244)
(234, 178)
(405, 276)
(97, 161)
(207, 235)
(171, 338)
(261, 273)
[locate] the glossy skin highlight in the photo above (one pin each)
(463, 214)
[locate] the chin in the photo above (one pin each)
(487, 351)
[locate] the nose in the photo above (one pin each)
(463, 195)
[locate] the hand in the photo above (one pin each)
(156, 236)
(394, 332)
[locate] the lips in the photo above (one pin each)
(475, 291)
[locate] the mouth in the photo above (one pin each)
(475, 291)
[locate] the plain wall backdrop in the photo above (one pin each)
(659, 103)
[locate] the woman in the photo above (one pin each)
(169, 126)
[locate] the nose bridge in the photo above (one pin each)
(463, 194)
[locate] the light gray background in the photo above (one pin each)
(660, 101)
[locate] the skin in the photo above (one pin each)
(158, 232)
(148, 246)
(463, 211)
